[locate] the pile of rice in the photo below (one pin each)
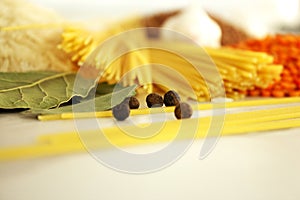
(29, 36)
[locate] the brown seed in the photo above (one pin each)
(183, 110)
(134, 103)
(121, 111)
(171, 98)
(154, 100)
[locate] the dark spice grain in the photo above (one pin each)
(121, 111)
(133, 103)
(183, 110)
(154, 100)
(171, 98)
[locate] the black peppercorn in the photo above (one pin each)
(121, 111)
(154, 100)
(133, 103)
(171, 98)
(183, 110)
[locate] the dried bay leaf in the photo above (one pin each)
(40, 90)
(10, 80)
(101, 101)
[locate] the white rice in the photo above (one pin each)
(30, 48)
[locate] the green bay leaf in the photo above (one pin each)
(41, 90)
(12, 80)
(99, 103)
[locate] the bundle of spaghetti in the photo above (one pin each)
(79, 40)
(245, 69)
(120, 61)
(285, 49)
(240, 70)
(174, 71)
(79, 43)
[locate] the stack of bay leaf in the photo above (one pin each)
(50, 92)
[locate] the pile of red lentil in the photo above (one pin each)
(286, 51)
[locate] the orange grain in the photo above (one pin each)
(278, 93)
(285, 48)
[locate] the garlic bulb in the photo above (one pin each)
(194, 23)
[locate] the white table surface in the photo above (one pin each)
(256, 166)
(252, 166)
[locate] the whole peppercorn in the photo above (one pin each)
(171, 98)
(154, 100)
(121, 111)
(133, 103)
(183, 110)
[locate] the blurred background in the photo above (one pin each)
(255, 16)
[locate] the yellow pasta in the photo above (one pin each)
(235, 123)
(201, 106)
(238, 70)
